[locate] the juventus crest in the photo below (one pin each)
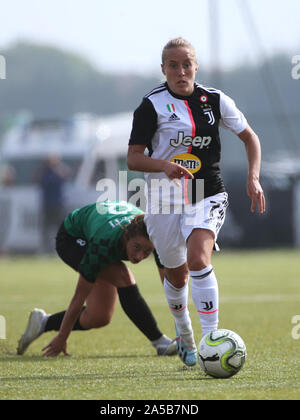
(210, 115)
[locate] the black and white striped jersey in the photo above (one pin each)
(185, 130)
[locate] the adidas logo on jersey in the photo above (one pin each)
(174, 117)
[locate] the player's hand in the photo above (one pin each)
(256, 194)
(175, 171)
(56, 346)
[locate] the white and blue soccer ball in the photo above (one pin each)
(222, 353)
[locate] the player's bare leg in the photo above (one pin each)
(136, 307)
(100, 305)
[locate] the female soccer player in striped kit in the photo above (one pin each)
(178, 122)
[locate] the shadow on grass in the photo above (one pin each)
(168, 377)
(15, 358)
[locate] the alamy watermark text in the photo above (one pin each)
(2, 328)
(2, 67)
(296, 67)
(296, 328)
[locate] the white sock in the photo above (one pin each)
(178, 304)
(160, 341)
(205, 294)
(44, 322)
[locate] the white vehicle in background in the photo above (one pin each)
(93, 147)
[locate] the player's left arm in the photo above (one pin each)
(59, 343)
(253, 150)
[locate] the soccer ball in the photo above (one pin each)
(222, 353)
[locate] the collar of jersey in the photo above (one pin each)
(180, 96)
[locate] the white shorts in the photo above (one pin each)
(169, 232)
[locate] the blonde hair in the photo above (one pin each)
(176, 43)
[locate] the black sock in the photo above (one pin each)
(139, 312)
(54, 322)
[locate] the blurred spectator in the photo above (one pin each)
(7, 176)
(51, 180)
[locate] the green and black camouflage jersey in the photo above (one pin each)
(102, 226)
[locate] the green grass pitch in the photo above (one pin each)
(259, 296)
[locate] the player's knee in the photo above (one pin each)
(199, 249)
(90, 320)
(198, 260)
(178, 277)
(102, 322)
(97, 322)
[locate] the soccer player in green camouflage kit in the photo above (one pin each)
(94, 241)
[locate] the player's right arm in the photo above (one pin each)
(138, 161)
(143, 129)
(59, 343)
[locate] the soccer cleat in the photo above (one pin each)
(167, 347)
(33, 330)
(186, 347)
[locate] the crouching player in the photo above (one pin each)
(94, 241)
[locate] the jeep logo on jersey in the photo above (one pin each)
(188, 141)
(190, 162)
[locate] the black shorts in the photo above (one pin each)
(70, 249)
